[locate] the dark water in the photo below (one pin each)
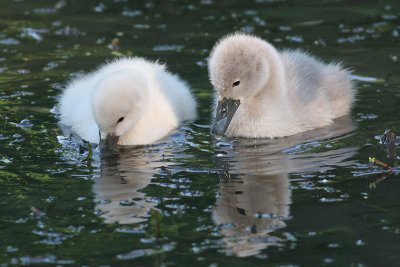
(190, 199)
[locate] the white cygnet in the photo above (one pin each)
(129, 101)
(262, 92)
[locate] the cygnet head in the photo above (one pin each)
(239, 68)
(118, 102)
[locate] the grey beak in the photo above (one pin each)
(110, 142)
(225, 110)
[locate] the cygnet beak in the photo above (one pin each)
(110, 142)
(225, 110)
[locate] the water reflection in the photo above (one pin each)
(123, 175)
(249, 208)
(255, 196)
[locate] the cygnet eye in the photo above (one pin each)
(236, 83)
(120, 119)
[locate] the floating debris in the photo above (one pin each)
(389, 171)
(36, 212)
(390, 140)
(379, 163)
(114, 45)
(390, 137)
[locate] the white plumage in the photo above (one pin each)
(137, 100)
(281, 93)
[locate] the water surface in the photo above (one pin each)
(305, 200)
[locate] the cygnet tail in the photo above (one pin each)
(340, 89)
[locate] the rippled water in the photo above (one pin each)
(307, 200)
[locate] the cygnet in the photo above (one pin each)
(129, 101)
(262, 92)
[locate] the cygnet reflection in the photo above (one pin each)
(123, 175)
(255, 196)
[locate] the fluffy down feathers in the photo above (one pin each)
(138, 100)
(281, 93)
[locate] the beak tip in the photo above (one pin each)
(110, 142)
(218, 129)
(226, 109)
